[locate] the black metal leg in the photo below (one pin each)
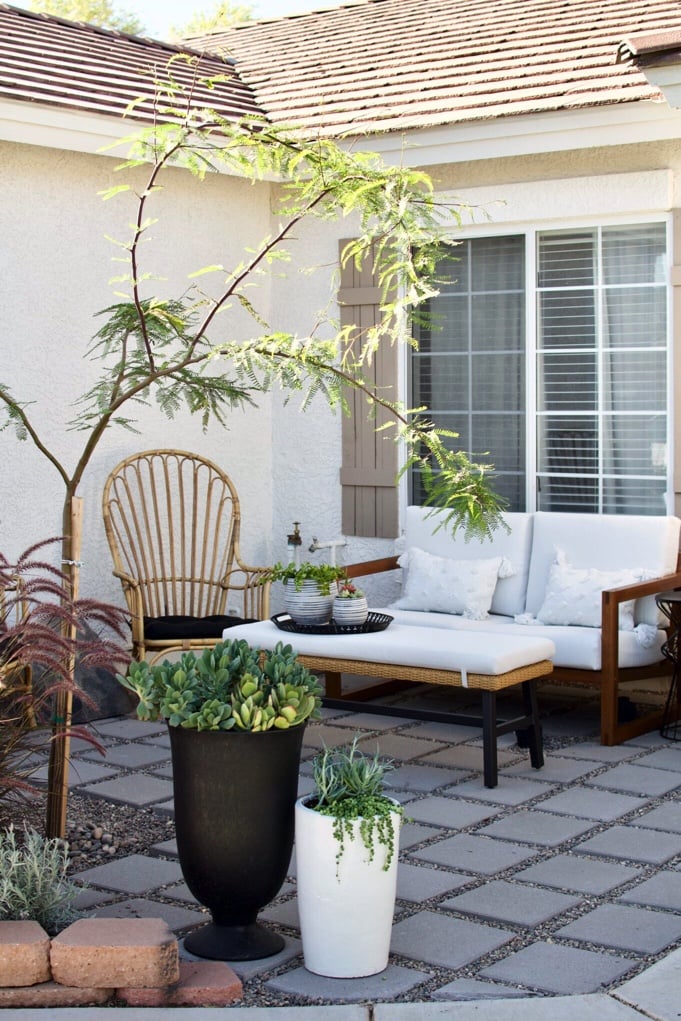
(533, 734)
(489, 738)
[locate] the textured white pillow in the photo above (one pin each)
(573, 594)
(442, 585)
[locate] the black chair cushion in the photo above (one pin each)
(177, 628)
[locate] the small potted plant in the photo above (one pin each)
(347, 842)
(309, 589)
(350, 604)
(236, 717)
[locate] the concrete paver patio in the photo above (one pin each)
(559, 881)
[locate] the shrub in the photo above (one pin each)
(33, 883)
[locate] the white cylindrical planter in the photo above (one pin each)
(345, 907)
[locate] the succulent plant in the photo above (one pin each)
(230, 686)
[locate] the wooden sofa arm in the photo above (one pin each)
(366, 567)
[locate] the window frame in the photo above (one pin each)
(530, 232)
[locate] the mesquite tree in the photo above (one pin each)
(155, 349)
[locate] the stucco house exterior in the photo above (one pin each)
(556, 123)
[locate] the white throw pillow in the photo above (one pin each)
(441, 585)
(573, 594)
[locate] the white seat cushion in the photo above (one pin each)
(577, 648)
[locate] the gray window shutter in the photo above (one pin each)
(369, 458)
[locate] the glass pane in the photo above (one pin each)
(566, 494)
(498, 322)
(567, 319)
(635, 317)
(634, 255)
(504, 437)
(456, 423)
(635, 445)
(498, 382)
(568, 445)
(566, 259)
(498, 264)
(512, 489)
(441, 382)
(635, 381)
(634, 496)
(567, 381)
(446, 328)
(452, 270)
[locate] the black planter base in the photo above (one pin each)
(234, 942)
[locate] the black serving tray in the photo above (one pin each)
(374, 622)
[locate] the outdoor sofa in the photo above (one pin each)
(587, 582)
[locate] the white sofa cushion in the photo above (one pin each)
(607, 542)
(407, 646)
(573, 594)
(514, 543)
(450, 586)
(577, 648)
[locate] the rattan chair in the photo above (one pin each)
(172, 521)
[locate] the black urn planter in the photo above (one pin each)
(235, 795)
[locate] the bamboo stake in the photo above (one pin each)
(58, 770)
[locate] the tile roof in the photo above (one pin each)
(392, 65)
(66, 64)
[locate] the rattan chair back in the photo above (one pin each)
(172, 520)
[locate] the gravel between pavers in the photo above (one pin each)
(140, 830)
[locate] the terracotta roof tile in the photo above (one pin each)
(49, 60)
(380, 65)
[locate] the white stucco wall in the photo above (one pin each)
(55, 264)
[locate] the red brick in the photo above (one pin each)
(24, 954)
(202, 984)
(51, 994)
(116, 952)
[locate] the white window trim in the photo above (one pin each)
(530, 234)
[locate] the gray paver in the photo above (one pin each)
(248, 969)
(424, 778)
(141, 907)
(135, 874)
(397, 746)
(80, 772)
(625, 928)
(465, 756)
(537, 1008)
(660, 891)
(318, 735)
(663, 758)
(363, 721)
(589, 803)
(502, 901)
(453, 813)
(475, 854)
(128, 728)
(559, 969)
(600, 752)
(541, 828)
(664, 817)
(473, 989)
(285, 913)
(412, 833)
(167, 848)
(656, 990)
(441, 940)
(453, 733)
(634, 843)
(133, 756)
(132, 789)
(418, 883)
(636, 779)
(574, 872)
(509, 791)
(556, 767)
(394, 981)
